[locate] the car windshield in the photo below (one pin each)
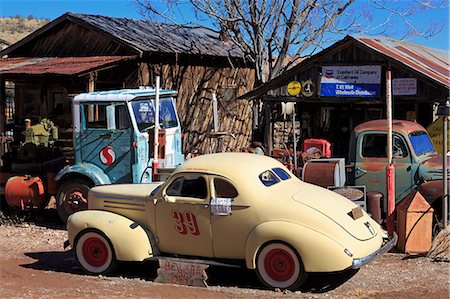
(421, 143)
(144, 113)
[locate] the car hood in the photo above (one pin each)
(123, 191)
(339, 209)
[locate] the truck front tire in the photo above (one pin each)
(72, 197)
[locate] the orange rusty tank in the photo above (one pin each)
(24, 192)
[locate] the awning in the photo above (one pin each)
(58, 66)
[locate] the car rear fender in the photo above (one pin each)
(131, 242)
(318, 252)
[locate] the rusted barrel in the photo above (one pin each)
(374, 206)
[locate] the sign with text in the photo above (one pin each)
(177, 272)
(350, 81)
(404, 86)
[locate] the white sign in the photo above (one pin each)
(221, 206)
(351, 81)
(404, 86)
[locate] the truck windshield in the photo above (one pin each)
(144, 113)
(421, 143)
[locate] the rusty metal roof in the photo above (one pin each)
(402, 126)
(57, 66)
(161, 37)
(433, 63)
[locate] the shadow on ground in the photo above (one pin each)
(217, 276)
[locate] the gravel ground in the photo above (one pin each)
(33, 264)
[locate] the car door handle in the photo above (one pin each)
(105, 136)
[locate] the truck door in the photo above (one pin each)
(106, 139)
(183, 218)
(371, 162)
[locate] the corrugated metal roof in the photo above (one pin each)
(57, 66)
(433, 63)
(160, 37)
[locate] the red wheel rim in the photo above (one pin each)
(279, 265)
(95, 252)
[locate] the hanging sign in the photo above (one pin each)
(404, 86)
(351, 81)
(308, 88)
(294, 88)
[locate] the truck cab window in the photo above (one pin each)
(95, 116)
(122, 117)
(375, 146)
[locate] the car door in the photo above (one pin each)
(230, 218)
(183, 216)
(371, 162)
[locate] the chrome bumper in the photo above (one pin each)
(358, 263)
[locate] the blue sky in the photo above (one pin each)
(52, 9)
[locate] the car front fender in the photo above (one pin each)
(131, 242)
(95, 173)
(319, 253)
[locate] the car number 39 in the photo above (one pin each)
(185, 222)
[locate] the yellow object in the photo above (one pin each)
(294, 88)
(232, 206)
(435, 132)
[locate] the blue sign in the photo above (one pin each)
(350, 81)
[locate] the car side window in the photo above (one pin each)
(224, 189)
(188, 186)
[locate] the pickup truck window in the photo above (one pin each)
(421, 143)
(375, 146)
(188, 186)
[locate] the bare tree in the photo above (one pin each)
(275, 34)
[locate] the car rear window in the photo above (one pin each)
(281, 173)
(268, 178)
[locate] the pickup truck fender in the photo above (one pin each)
(318, 252)
(432, 190)
(93, 172)
(131, 242)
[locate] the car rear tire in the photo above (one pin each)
(279, 266)
(72, 197)
(95, 253)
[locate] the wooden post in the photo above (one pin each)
(445, 169)
(390, 169)
(268, 134)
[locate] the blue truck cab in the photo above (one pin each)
(114, 142)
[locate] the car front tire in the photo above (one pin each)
(279, 266)
(94, 253)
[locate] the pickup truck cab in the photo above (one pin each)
(417, 164)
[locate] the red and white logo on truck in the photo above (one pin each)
(108, 155)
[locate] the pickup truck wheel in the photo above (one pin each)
(94, 253)
(72, 197)
(279, 266)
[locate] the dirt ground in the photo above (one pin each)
(33, 264)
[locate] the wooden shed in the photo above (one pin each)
(345, 85)
(78, 53)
